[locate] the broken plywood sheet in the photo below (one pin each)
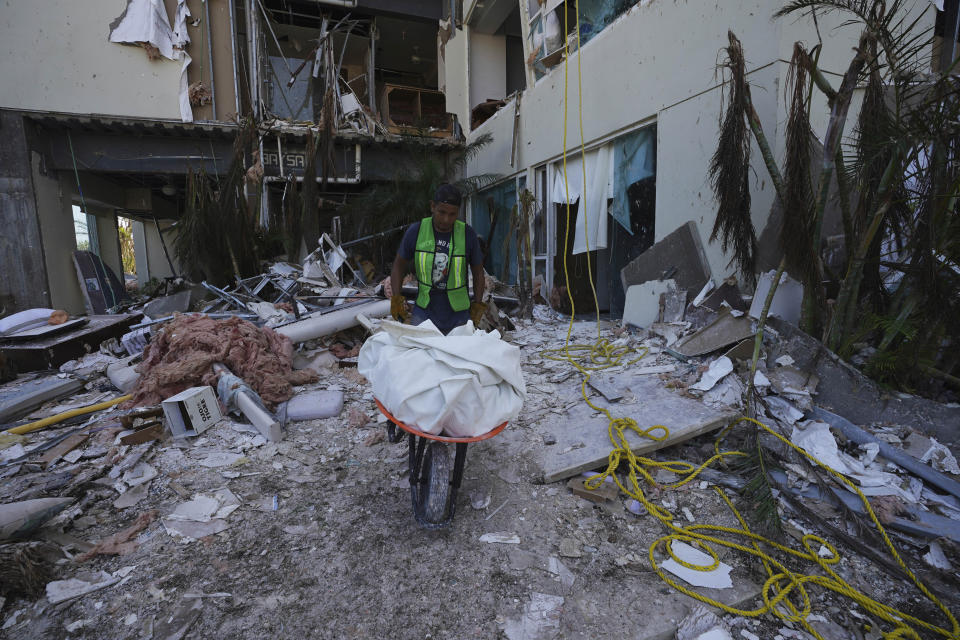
(582, 441)
(723, 331)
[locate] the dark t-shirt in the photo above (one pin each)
(439, 309)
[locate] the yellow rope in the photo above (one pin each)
(782, 583)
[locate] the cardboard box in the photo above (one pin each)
(191, 412)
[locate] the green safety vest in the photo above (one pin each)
(457, 273)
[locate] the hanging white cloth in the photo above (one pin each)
(567, 190)
(592, 200)
(592, 234)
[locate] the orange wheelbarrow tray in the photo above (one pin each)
(433, 485)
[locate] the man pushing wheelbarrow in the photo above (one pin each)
(444, 387)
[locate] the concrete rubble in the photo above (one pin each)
(194, 535)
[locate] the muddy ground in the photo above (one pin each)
(324, 545)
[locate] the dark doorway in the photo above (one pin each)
(642, 198)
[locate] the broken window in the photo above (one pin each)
(595, 15)
(84, 229)
(493, 214)
(620, 181)
(946, 41)
(633, 206)
(294, 81)
(496, 58)
(381, 65)
(546, 33)
(553, 24)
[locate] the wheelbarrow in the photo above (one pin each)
(433, 484)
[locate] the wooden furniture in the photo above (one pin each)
(415, 111)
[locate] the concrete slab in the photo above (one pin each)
(642, 306)
(582, 441)
(679, 255)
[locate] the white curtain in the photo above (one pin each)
(591, 223)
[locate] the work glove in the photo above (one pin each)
(477, 311)
(398, 308)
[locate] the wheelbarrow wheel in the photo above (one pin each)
(435, 481)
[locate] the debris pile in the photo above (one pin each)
(249, 443)
(183, 353)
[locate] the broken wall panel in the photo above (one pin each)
(60, 59)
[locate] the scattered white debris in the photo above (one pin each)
(941, 458)
(870, 452)
(202, 516)
(936, 558)
(760, 381)
(717, 578)
(817, 440)
(783, 410)
(717, 633)
(15, 450)
(221, 459)
(76, 625)
(140, 474)
(783, 361)
(540, 618)
(500, 537)
(62, 590)
(701, 623)
(718, 369)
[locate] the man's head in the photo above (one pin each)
(445, 207)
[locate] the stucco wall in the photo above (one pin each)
(55, 56)
(488, 67)
(454, 54)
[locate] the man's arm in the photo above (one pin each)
(479, 282)
(397, 273)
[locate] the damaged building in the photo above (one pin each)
(109, 107)
(645, 77)
(227, 409)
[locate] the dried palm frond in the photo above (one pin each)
(796, 234)
(730, 168)
(217, 230)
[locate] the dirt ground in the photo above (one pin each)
(324, 545)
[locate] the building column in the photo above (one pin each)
(24, 283)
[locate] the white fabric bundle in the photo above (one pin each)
(463, 384)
